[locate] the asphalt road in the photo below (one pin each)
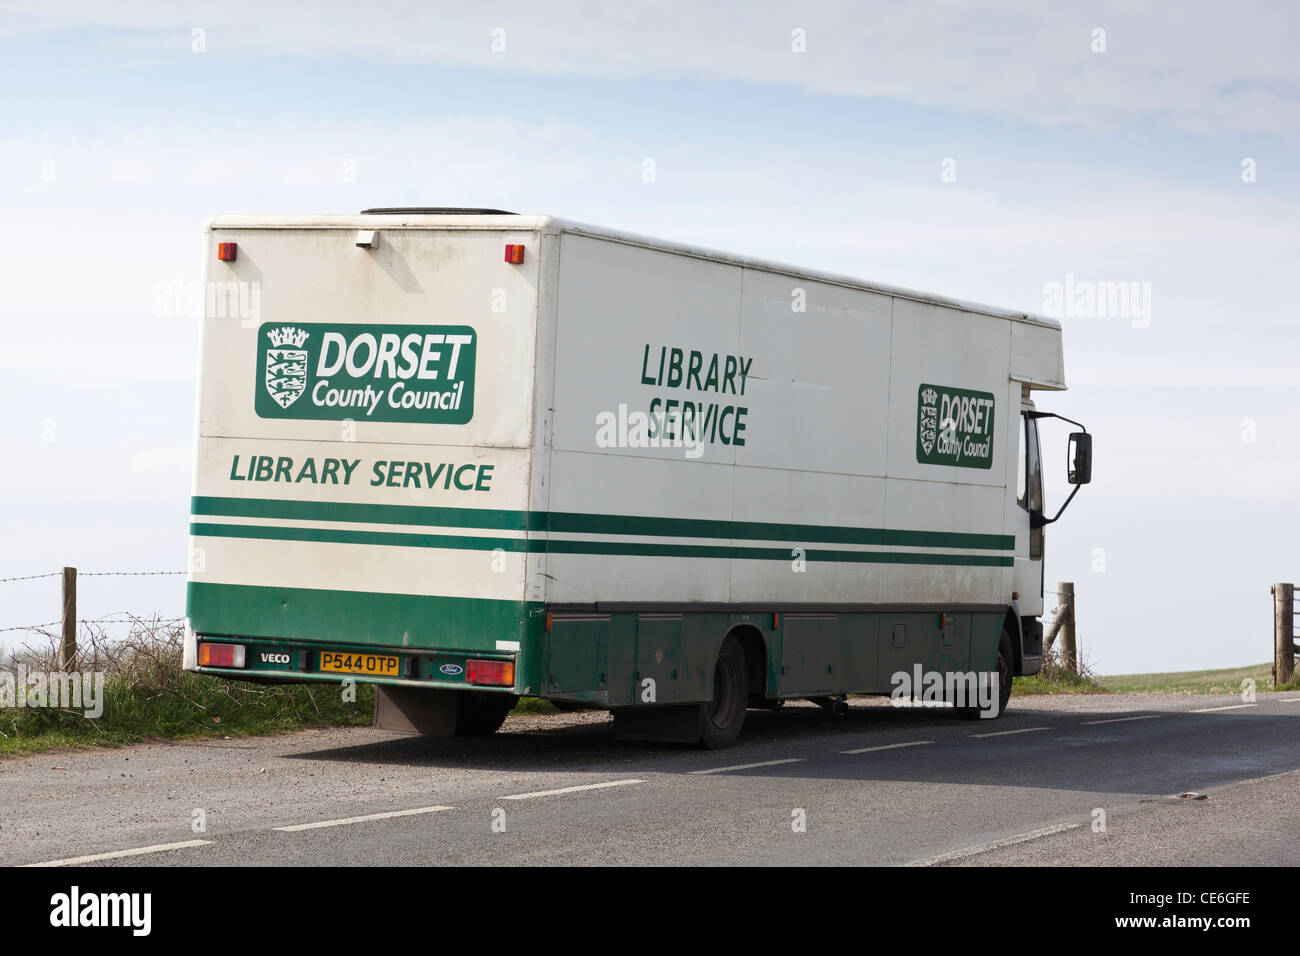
(878, 785)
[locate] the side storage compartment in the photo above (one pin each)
(576, 662)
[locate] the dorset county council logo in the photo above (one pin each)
(286, 365)
(954, 426)
(926, 432)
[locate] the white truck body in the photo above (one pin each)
(630, 442)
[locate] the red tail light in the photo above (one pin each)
(226, 251)
(495, 673)
(514, 254)
(221, 655)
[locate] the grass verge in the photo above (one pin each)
(1227, 681)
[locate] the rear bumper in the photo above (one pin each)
(282, 662)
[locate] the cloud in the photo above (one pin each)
(126, 211)
(1195, 65)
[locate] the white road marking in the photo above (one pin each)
(1004, 733)
(748, 766)
(588, 786)
(1119, 720)
(365, 819)
(1289, 700)
(979, 848)
(1210, 710)
(867, 750)
(118, 854)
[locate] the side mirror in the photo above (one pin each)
(1080, 458)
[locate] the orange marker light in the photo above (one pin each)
(226, 251)
(514, 254)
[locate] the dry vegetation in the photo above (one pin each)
(148, 695)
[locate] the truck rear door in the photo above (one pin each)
(363, 435)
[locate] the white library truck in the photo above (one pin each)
(469, 456)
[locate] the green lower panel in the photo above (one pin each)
(606, 659)
(625, 659)
(363, 619)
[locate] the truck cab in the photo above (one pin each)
(1029, 576)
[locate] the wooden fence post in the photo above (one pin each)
(1283, 634)
(1069, 652)
(1049, 637)
(68, 651)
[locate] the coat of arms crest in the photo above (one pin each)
(928, 415)
(286, 365)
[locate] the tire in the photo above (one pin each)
(1004, 665)
(1006, 672)
(481, 715)
(723, 716)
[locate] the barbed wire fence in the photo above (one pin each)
(119, 617)
(69, 622)
(92, 574)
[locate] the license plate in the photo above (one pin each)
(374, 665)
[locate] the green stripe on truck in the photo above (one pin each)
(543, 546)
(493, 519)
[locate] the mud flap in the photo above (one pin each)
(413, 710)
(669, 725)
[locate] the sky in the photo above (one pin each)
(992, 152)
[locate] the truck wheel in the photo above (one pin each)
(724, 715)
(1006, 672)
(1005, 677)
(481, 715)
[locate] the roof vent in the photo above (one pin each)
(434, 211)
